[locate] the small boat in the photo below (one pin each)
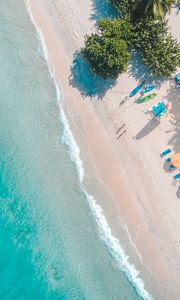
(137, 89)
(148, 89)
(146, 98)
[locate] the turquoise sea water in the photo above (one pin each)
(50, 246)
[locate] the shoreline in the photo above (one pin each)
(95, 136)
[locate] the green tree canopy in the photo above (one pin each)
(107, 52)
(155, 9)
(158, 49)
(139, 9)
(123, 7)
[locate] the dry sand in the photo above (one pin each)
(145, 200)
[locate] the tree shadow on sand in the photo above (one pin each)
(139, 71)
(173, 95)
(81, 76)
(89, 84)
(150, 126)
(177, 6)
(178, 192)
(103, 9)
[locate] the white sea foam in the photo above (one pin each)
(67, 138)
(42, 48)
(42, 45)
(111, 242)
(73, 148)
(115, 248)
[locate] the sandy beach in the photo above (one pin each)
(124, 169)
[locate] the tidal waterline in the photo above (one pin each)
(49, 240)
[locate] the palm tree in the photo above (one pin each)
(155, 9)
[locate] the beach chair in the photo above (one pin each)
(168, 159)
(177, 176)
(167, 151)
(171, 167)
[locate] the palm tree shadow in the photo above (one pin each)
(85, 80)
(147, 129)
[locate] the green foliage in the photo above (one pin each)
(115, 28)
(158, 49)
(107, 52)
(155, 9)
(142, 28)
(140, 9)
(123, 7)
(150, 37)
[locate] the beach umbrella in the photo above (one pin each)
(168, 106)
(175, 161)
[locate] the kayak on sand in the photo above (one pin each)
(146, 98)
(148, 89)
(137, 89)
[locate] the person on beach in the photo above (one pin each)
(121, 134)
(120, 128)
(125, 99)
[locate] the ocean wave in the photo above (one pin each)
(115, 248)
(68, 139)
(42, 45)
(73, 149)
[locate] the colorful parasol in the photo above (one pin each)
(175, 161)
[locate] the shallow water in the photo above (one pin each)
(49, 241)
